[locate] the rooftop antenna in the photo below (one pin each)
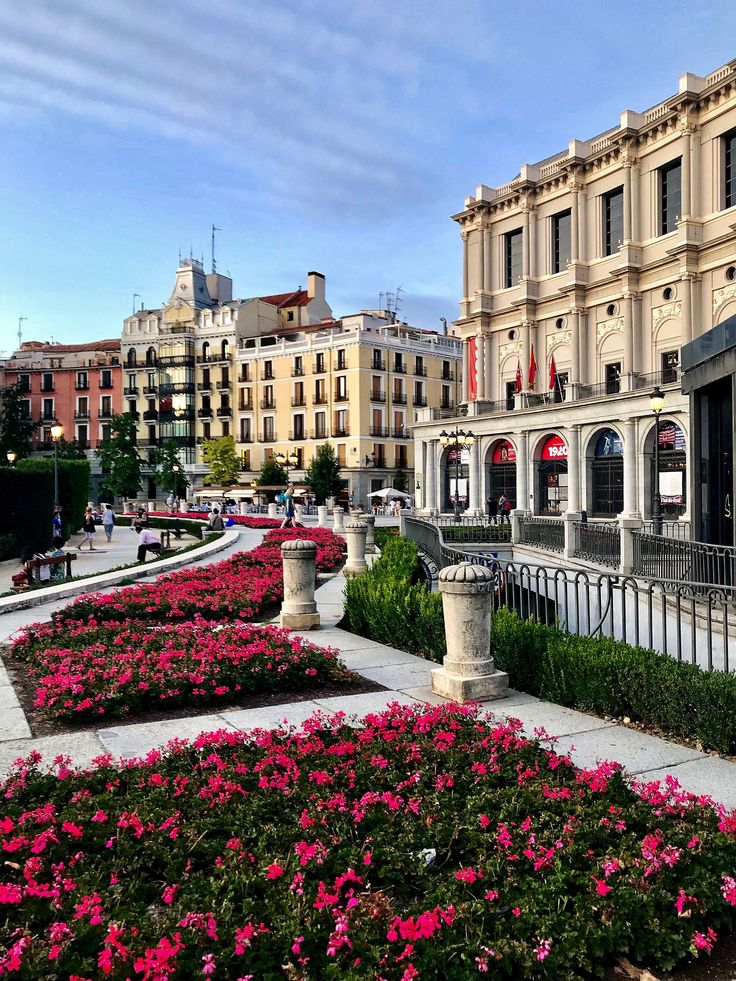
(443, 321)
(399, 290)
(380, 300)
(20, 329)
(180, 256)
(214, 264)
(136, 296)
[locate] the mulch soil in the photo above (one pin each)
(720, 966)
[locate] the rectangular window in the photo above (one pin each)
(82, 436)
(729, 169)
(341, 425)
(152, 434)
(670, 361)
(446, 398)
(341, 389)
(419, 368)
(268, 369)
(299, 426)
(513, 248)
(419, 397)
(47, 383)
(561, 231)
(613, 378)
(106, 378)
(670, 187)
(226, 428)
(398, 362)
(378, 362)
(561, 382)
(25, 408)
(341, 455)
(268, 429)
(447, 371)
(298, 366)
(319, 365)
(48, 408)
(245, 430)
(613, 221)
(82, 380)
(320, 425)
(341, 360)
(245, 459)
(24, 381)
(82, 408)
(206, 431)
(106, 409)
(510, 392)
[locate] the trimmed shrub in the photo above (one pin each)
(28, 502)
(74, 489)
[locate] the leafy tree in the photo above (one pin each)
(70, 449)
(223, 461)
(323, 474)
(401, 481)
(163, 460)
(119, 458)
(272, 474)
(15, 429)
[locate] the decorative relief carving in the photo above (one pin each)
(559, 337)
(659, 313)
(724, 293)
(513, 347)
(609, 327)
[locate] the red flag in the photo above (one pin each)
(552, 374)
(518, 376)
(532, 369)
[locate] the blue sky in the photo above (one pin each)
(316, 135)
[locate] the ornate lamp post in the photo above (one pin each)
(175, 470)
(287, 461)
(57, 431)
(458, 439)
(11, 455)
(656, 400)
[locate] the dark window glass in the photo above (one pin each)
(561, 225)
(729, 169)
(613, 221)
(513, 257)
(670, 366)
(670, 183)
(613, 378)
(510, 392)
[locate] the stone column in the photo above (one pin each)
(488, 393)
(430, 483)
(299, 610)
(574, 351)
(480, 259)
(337, 519)
(631, 496)
(466, 371)
(355, 533)
(370, 535)
(627, 160)
(628, 367)
(574, 186)
(243, 507)
(574, 470)
(522, 473)
(686, 192)
(466, 288)
(473, 465)
(525, 245)
(468, 671)
(487, 259)
(686, 316)
(480, 367)
(273, 511)
(322, 513)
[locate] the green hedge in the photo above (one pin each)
(610, 677)
(25, 517)
(193, 528)
(74, 489)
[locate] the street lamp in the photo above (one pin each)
(287, 461)
(175, 470)
(656, 400)
(458, 439)
(11, 455)
(57, 431)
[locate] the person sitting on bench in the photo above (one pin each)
(147, 542)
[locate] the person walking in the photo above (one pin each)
(88, 527)
(56, 529)
(289, 509)
(504, 509)
(492, 506)
(108, 521)
(170, 503)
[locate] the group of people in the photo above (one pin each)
(499, 511)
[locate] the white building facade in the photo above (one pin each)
(582, 279)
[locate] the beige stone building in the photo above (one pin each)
(596, 265)
(358, 382)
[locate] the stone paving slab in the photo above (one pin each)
(271, 717)
(554, 719)
(374, 657)
(359, 705)
(333, 637)
(636, 751)
(8, 698)
(712, 776)
(83, 747)
(137, 740)
(13, 724)
(402, 676)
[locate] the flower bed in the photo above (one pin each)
(427, 844)
(247, 521)
(103, 669)
(238, 587)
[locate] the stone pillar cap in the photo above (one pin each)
(467, 572)
(302, 545)
(355, 525)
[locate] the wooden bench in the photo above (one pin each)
(33, 565)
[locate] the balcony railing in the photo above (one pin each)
(223, 382)
(448, 376)
(340, 433)
(318, 369)
(266, 376)
(298, 400)
(318, 434)
(341, 397)
(400, 463)
(447, 406)
(268, 438)
(107, 414)
(297, 372)
(420, 400)
(268, 404)
(47, 388)
(377, 396)
(420, 370)
(400, 369)
(398, 398)
(546, 534)
(244, 377)
(598, 542)
(184, 415)
(150, 389)
(319, 400)
(150, 415)
(225, 411)
(175, 361)
(380, 431)
(297, 434)
(245, 406)
(81, 414)
(129, 390)
(82, 386)
(105, 385)
(204, 386)
(245, 438)
(378, 364)
(212, 358)
(681, 561)
(204, 413)
(176, 388)
(400, 433)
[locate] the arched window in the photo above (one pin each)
(552, 477)
(672, 468)
(131, 358)
(501, 473)
(224, 349)
(151, 357)
(205, 352)
(608, 475)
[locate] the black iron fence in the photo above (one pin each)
(542, 533)
(678, 561)
(671, 529)
(600, 543)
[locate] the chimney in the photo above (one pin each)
(316, 286)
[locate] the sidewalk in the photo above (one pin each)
(587, 738)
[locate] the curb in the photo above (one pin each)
(38, 597)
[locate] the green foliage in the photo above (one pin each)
(176, 525)
(400, 481)
(25, 517)
(15, 431)
(119, 459)
(389, 604)
(272, 474)
(323, 474)
(74, 479)
(163, 459)
(70, 449)
(223, 461)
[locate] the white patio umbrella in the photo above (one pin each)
(389, 494)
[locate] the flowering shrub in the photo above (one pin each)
(93, 670)
(246, 520)
(427, 844)
(237, 587)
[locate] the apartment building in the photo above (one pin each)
(357, 382)
(178, 360)
(583, 277)
(75, 385)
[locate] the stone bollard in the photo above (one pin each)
(467, 671)
(299, 610)
(337, 522)
(273, 511)
(370, 538)
(243, 507)
(322, 513)
(355, 532)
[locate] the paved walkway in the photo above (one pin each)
(408, 680)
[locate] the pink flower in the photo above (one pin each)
(209, 964)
